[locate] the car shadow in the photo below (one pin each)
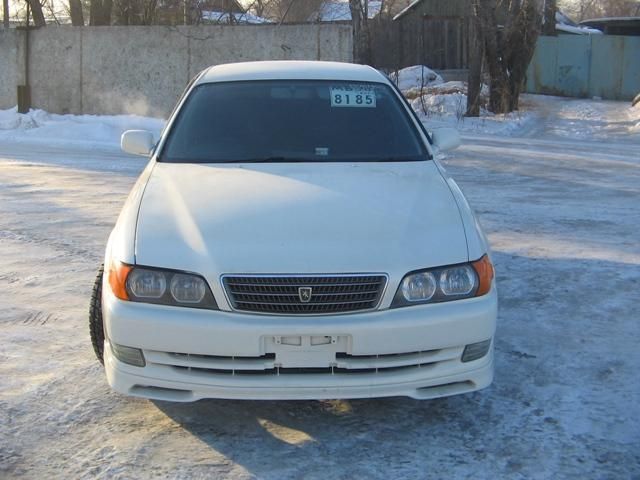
(317, 437)
(549, 327)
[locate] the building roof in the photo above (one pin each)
(582, 30)
(611, 20)
(339, 11)
(405, 10)
(615, 25)
(564, 24)
(292, 70)
(212, 16)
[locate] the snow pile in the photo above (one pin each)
(443, 105)
(99, 130)
(582, 30)
(448, 88)
(634, 114)
(415, 77)
(566, 25)
(439, 103)
(448, 110)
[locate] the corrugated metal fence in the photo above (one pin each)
(606, 66)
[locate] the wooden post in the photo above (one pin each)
(24, 91)
(474, 81)
(5, 9)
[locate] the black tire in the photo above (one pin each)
(96, 327)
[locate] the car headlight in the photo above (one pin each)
(444, 284)
(419, 287)
(160, 286)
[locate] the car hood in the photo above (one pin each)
(275, 218)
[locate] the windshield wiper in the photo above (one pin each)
(392, 159)
(274, 159)
(280, 159)
(283, 159)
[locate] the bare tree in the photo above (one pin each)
(583, 9)
(292, 11)
(476, 52)
(361, 36)
(135, 12)
(257, 7)
(549, 24)
(509, 30)
(37, 13)
(52, 15)
(190, 10)
(5, 11)
(75, 12)
(100, 12)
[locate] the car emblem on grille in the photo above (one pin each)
(305, 294)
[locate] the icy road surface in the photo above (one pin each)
(561, 206)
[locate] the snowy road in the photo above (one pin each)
(562, 214)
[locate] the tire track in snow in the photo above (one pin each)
(69, 249)
(39, 318)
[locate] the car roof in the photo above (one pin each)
(291, 70)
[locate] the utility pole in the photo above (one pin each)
(24, 91)
(5, 8)
(476, 54)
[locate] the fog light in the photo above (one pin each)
(128, 355)
(474, 351)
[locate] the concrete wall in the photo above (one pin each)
(8, 67)
(605, 66)
(143, 70)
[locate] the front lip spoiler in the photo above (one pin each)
(125, 381)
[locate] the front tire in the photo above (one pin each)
(96, 327)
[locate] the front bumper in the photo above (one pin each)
(193, 354)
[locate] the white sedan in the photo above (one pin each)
(294, 237)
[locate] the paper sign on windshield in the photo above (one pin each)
(352, 97)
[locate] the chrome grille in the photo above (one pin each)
(285, 295)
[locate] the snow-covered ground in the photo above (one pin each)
(560, 201)
(99, 131)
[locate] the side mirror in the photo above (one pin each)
(446, 139)
(137, 142)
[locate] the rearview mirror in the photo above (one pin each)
(137, 142)
(446, 139)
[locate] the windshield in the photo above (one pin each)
(292, 121)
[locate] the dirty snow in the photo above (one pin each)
(559, 199)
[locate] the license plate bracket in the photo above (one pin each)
(306, 351)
